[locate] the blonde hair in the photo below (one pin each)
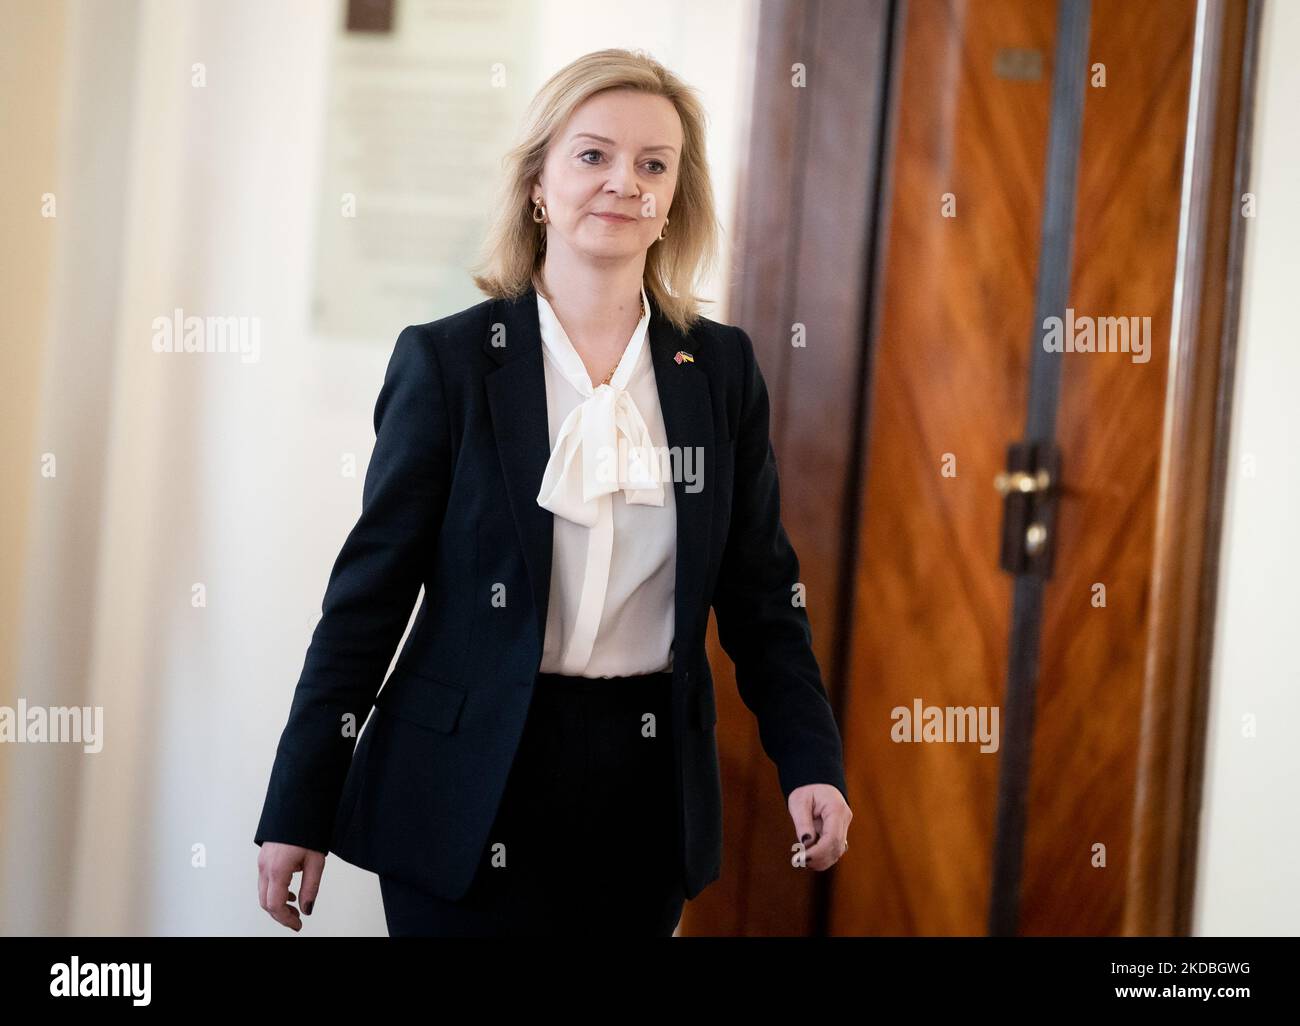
(511, 257)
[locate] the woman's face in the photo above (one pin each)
(618, 154)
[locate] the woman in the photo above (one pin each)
(575, 470)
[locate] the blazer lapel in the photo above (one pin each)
(516, 390)
(687, 405)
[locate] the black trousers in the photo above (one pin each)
(587, 839)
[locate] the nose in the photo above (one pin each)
(622, 177)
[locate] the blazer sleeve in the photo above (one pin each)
(760, 626)
(368, 600)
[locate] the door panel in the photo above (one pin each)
(1109, 427)
(948, 393)
(932, 608)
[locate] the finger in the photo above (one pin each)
(277, 889)
(828, 847)
(825, 853)
(831, 842)
(801, 812)
(313, 867)
(287, 915)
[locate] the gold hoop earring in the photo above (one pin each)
(539, 209)
(663, 231)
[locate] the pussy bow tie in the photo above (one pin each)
(602, 446)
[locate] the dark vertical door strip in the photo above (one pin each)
(1069, 80)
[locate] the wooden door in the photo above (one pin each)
(948, 395)
(895, 210)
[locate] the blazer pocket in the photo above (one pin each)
(425, 700)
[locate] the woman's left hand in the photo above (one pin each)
(821, 822)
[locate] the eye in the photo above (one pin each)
(659, 166)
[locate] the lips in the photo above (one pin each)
(613, 217)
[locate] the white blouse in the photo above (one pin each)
(613, 563)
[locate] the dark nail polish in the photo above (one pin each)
(806, 838)
(307, 907)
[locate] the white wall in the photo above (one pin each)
(199, 468)
(33, 49)
(1248, 883)
(74, 404)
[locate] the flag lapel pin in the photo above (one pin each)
(683, 357)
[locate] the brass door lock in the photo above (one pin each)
(1019, 481)
(1029, 492)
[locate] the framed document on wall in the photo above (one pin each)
(424, 97)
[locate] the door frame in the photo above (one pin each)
(1194, 470)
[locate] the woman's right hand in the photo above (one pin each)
(276, 864)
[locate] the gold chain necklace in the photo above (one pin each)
(605, 379)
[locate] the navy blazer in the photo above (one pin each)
(450, 502)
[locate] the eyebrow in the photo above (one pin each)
(601, 138)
